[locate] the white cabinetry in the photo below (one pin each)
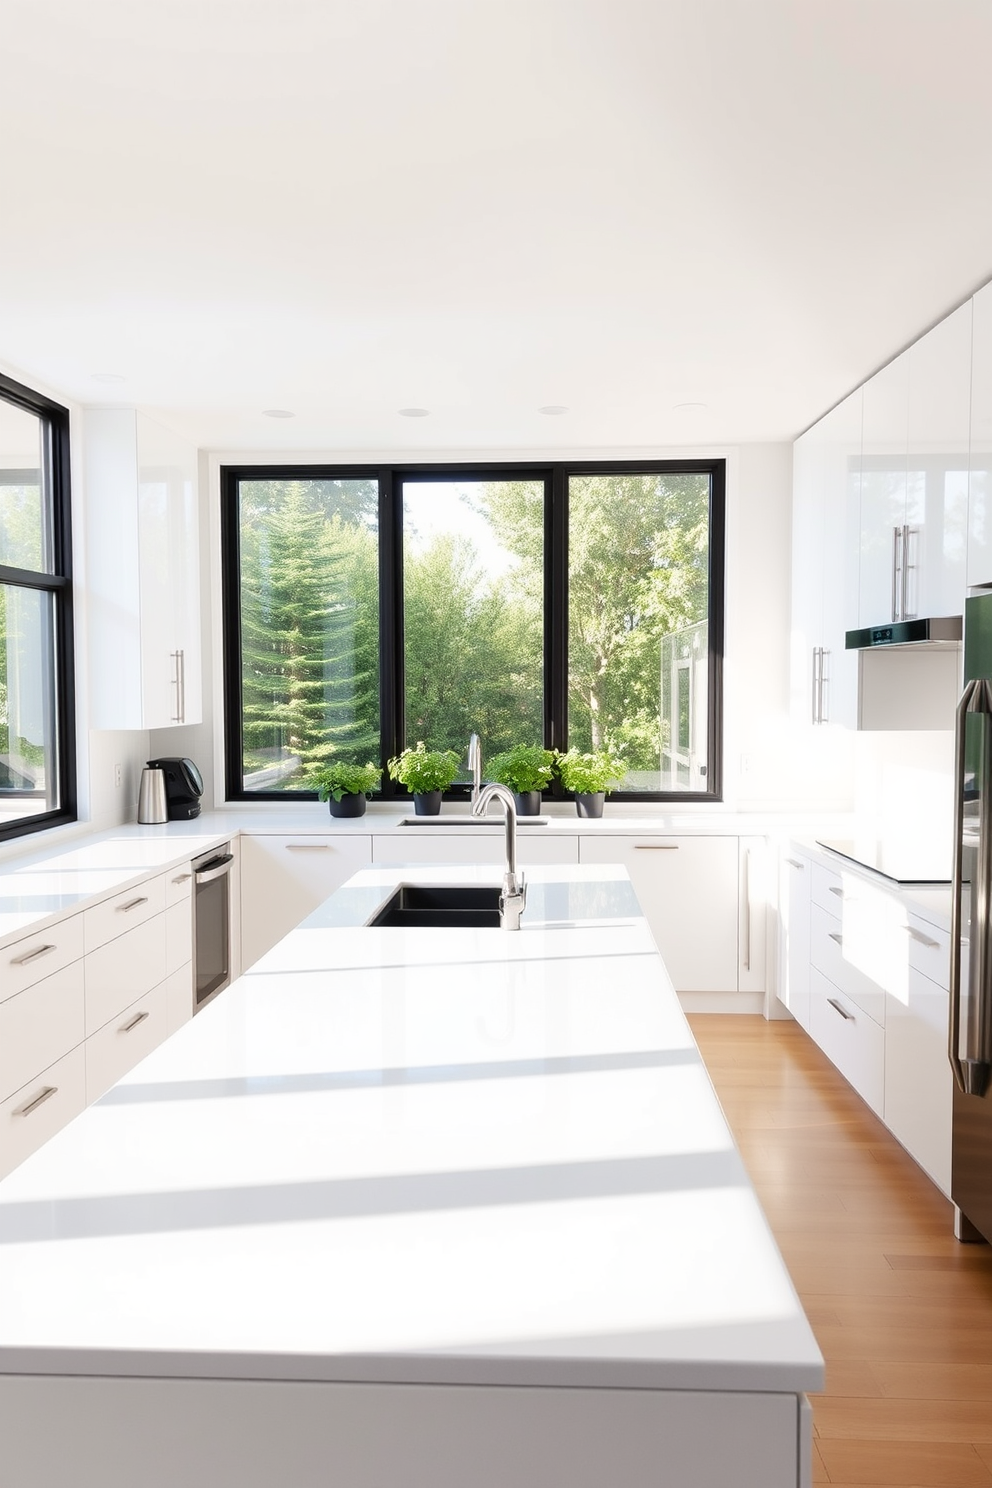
(980, 456)
(884, 452)
(914, 478)
(795, 872)
(688, 890)
(825, 567)
(284, 878)
(142, 572)
(937, 467)
(873, 994)
(84, 1000)
(918, 1079)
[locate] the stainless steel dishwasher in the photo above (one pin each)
(212, 924)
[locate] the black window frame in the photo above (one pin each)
(555, 475)
(56, 493)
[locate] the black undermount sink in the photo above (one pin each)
(440, 906)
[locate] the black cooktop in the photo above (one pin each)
(902, 862)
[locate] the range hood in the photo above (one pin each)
(937, 630)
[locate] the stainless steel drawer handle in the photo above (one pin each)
(138, 1018)
(931, 945)
(656, 847)
(848, 1017)
(183, 878)
(308, 846)
(30, 956)
(833, 889)
(795, 863)
(132, 904)
(39, 1100)
(834, 936)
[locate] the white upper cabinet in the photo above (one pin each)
(143, 572)
(914, 478)
(884, 453)
(937, 467)
(826, 481)
(980, 460)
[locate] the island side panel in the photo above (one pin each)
(116, 1433)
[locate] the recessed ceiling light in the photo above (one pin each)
(108, 377)
(278, 413)
(553, 409)
(414, 412)
(689, 407)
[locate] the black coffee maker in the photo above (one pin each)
(183, 787)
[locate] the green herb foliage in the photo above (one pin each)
(585, 774)
(423, 770)
(525, 767)
(339, 778)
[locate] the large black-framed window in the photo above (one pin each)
(366, 607)
(37, 710)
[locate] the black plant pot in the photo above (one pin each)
(350, 805)
(428, 803)
(528, 803)
(589, 803)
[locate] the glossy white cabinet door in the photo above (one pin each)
(753, 891)
(807, 573)
(980, 458)
(885, 448)
(838, 560)
(143, 572)
(688, 890)
(937, 466)
(918, 1079)
(284, 878)
(794, 945)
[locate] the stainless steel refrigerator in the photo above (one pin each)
(970, 1032)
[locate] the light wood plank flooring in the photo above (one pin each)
(901, 1310)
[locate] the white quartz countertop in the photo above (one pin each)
(66, 872)
(413, 1155)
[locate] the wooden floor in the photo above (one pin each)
(901, 1310)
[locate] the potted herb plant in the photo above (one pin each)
(425, 773)
(590, 776)
(344, 786)
(526, 770)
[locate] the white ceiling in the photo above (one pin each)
(479, 207)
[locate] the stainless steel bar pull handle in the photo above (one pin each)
(925, 940)
(133, 1023)
(747, 909)
(177, 717)
(39, 1100)
(848, 1017)
(30, 956)
(656, 847)
(824, 687)
(908, 533)
(816, 687)
(795, 863)
(832, 935)
(972, 1064)
(897, 565)
(132, 904)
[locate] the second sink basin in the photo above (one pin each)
(440, 906)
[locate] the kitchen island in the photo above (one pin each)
(409, 1207)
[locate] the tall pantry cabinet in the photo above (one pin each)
(142, 563)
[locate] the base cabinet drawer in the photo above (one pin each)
(37, 956)
(852, 1040)
(39, 1025)
(179, 996)
(126, 1039)
(123, 970)
(919, 1086)
(38, 1110)
(840, 950)
(116, 916)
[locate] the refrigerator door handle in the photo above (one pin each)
(972, 1068)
